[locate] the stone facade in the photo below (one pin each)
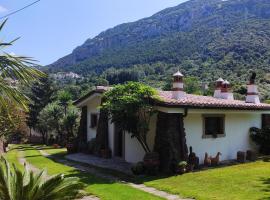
(170, 141)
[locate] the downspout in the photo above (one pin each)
(185, 112)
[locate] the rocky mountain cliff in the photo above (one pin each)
(207, 38)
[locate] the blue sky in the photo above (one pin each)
(53, 28)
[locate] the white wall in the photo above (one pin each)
(133, 149)
(111, 136)
(236, 139)
(92, 107)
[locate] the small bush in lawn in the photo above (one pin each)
(262, 138)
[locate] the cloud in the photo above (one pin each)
(2, 9)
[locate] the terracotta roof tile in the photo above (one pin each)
(198, 101)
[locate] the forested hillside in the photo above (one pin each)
(205, 38)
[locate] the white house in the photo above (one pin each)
(210, 124)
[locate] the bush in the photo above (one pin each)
(91, 146)
(182, 167)
(138, 169)
(262, 138)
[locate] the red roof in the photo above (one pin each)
(198, 101)
(191, 100)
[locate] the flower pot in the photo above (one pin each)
(71, 148)
(105, 153)
(151, 163)
(182, 170)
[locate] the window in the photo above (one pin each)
(265, 120)
(94, 120)
(213, 126)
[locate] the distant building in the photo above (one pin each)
(66, 75)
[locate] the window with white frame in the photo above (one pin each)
(213, 126)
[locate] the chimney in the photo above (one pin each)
(178, 86)
(252, 91)
(219, 83)
(225, 91)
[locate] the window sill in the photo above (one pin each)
(212, 137)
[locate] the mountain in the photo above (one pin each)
(206, 38)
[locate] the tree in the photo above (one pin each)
(192, 85)
(42, 125)
(41, 95)
(64, 98)
(18, 68)
(50, 118)
(130, 108)
(70, 122)
(18, 185)
(10, 119)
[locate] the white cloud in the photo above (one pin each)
(2, 9)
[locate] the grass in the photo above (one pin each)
(104, 189)
(243, 181)
(13, 155)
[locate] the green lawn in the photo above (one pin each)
(13, 155)
(239, 182)
(243, 181)
(104, 189)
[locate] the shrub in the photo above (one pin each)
(262, 138)
(138, 169)
(16, 184)
(182, 164)
(182, 167)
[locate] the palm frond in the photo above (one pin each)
(18, 68)
(15, 184)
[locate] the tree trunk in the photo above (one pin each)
(170, 141)
(30, 134)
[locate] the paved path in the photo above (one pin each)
(113, 163)
(92, 170)
(30, 167)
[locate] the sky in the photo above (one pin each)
(51, 29)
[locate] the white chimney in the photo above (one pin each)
(252, 91)
(178, 86)
(225, 91)
(217, 93)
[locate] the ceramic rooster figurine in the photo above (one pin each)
(215, 160)
(207, 160)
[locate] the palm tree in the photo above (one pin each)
(17, 68)
(18, 185)
(64, 98)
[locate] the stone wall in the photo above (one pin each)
(170, 141)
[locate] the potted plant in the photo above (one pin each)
(182, 167)
(71, 147)
(138, 168)
(105, 153)
(151, 163)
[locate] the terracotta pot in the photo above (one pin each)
(71, 148)
(151, 163)
(182, 170)
(105, 153)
